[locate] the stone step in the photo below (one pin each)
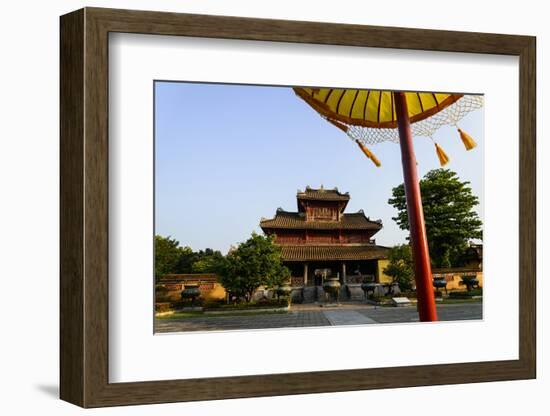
(320, 294)
(310, 294)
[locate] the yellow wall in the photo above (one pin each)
(381, 277)
(209, 291)
(455, 278)
(216, 293)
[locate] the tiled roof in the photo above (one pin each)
(323, 194)
(296, 220)
(333, 252)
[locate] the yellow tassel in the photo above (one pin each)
(469, 143)
(443, 158)
(368, 153)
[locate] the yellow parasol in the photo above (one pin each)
(373, 116)
(369, 116)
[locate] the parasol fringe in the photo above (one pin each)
(441, 155)
(368, 153)
(469, 143)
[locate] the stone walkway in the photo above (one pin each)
(452, 312)
(263, 321)
(316, 316)
(347, 317)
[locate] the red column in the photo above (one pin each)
(419, 241)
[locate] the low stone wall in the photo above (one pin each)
(453, 277)
(171, 292)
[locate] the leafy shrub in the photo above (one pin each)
(262, 303)
(400, 267)
(214, 303)
(408, 294)
(186, 303)
(466, 295)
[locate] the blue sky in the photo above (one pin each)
(228, 155)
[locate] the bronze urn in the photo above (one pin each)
(191, 291)
(440, 283)
(331, 286)
(367, 287)
(284, 290)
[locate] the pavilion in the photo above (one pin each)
(320, 236)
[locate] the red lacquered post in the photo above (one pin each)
(419, 241)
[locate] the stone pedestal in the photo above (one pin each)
(355, 292)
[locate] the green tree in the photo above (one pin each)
(282, 275)
(186, 260)
(400, 267)
(171, 258)
(167, 255)
(254, 263)
(448, 212)
(207, 261)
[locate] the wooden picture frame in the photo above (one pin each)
(84, 207)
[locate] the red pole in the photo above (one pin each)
(419, 241)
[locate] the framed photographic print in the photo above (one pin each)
(255, 207)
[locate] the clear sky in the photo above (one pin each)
(228, 155)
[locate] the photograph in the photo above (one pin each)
(258, 208)
(296, 207)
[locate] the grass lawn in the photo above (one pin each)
(464, 300)
(187, 315)
(446, 301)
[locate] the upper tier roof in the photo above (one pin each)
(297, 220)
(322, 194)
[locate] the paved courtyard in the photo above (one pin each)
(314, 316)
